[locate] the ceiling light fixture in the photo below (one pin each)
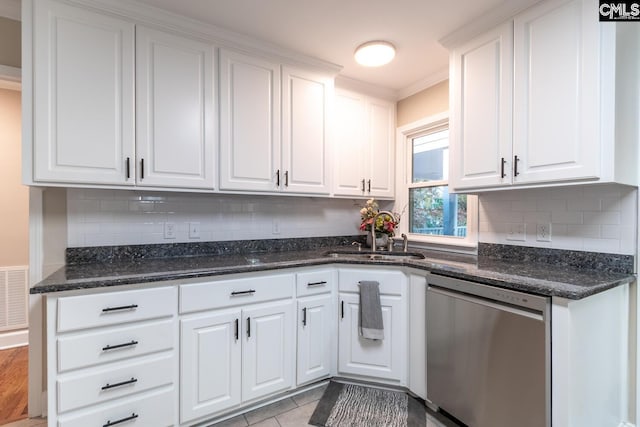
(375, 53)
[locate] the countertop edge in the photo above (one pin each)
(503, 280)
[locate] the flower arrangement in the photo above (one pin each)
(385, 224)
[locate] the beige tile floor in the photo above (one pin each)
(291, 412)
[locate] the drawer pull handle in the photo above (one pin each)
(237, 293)
(113, 347)
(317, 283)
(108, 386)
(122, 420)
(120, 308)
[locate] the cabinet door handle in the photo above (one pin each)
(237, 334)
(502, 163)
(128, 167)
(122, 420)
(342, 309)
(248, 327)
(323, 282)
(515, 166)
(141, 168)
(108, 386)
(240, 293)
(304, 316)
(278, 178)
(286, 178)
(363, 185)
(369, 186)
(120, 308)
(113, 347)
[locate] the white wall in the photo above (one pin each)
(597, 218)
(119, 217)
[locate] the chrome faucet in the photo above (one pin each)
(373, 227)
(405, 242)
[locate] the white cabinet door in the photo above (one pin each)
(372, 358)
(210, 364)
(175, 114)
(316, 327)
(350, 145)
(249, 122)
(306, 100)
(481, 122)
(381, 137)
(268, 349)
(364, 146)
(556, 92)
(83, 116)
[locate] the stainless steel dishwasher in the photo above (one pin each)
(488, 354)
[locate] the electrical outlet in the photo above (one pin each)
(275, 226)
(194, 230)
(169, 230)
(543, 232)
(516, 232)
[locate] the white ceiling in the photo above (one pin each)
(331, 30)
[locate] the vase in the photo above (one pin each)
(381, 240)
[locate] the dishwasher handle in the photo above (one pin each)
(532, 314)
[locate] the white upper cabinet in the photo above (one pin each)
(249, 122)
(480, 122)
(175, 117)
(556, 93)
(364, 146)
(121, 99)
(257, 98)
(83, 96)
(306, 100)
(566, 120)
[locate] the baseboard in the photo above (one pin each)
(14, 339)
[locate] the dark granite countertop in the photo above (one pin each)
(538, 277)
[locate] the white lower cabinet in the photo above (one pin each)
(383, 359)
(113, 358)
(268, 350)
(211, 364)
(234, 355)
(316, 322)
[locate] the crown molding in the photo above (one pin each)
(501, 13)
(11, 9)
(348, 83)
(159, 18)
(435, 78)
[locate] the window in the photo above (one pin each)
(434, 215)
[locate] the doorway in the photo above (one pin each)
(14, 259)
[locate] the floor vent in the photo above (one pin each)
(14, 298)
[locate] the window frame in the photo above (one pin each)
(404, 137)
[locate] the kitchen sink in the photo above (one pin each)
(375, 256)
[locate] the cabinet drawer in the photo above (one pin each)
(391, 282)
(155, 410)
(88, 349)
(315, 282)
(227, 293)
(76, 391)
(88, 311)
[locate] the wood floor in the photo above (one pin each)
(14, 364)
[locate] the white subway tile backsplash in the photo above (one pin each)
(599, 218)
(120, 217)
